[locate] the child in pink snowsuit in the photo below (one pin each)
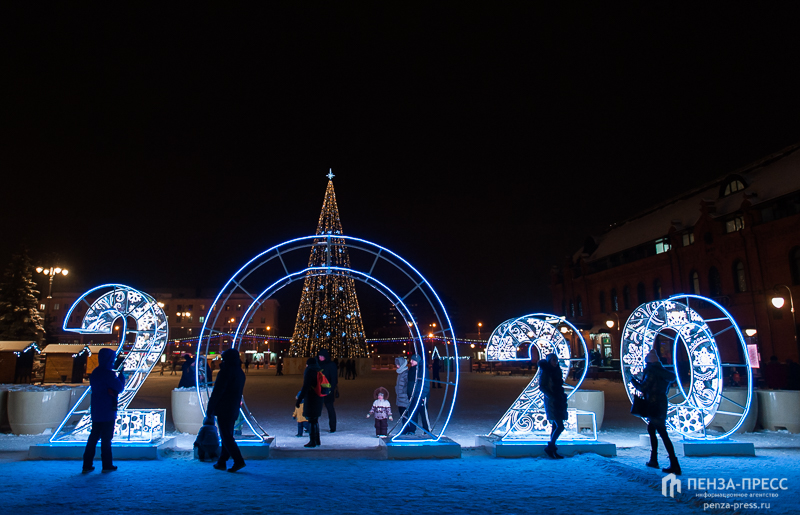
(382, 410)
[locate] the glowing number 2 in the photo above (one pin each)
(525, 419)
(151, 337)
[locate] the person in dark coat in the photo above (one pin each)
(330, 370)
(106, 387)
(224, 403)
(416, 388)
(187, 372)
(655, 384)
(551, 384)
(312, 403)
(436, 366)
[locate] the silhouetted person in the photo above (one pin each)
(401, 386)
(436, 366)
(224, 403)
(330, 370)
(312, 402)
(187, 372)
(417, 389)
(654, 385)
(551, 383)
(279, 367)
(106, 387)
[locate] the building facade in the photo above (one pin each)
(735, 240)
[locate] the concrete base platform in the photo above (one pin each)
(256, 450)
(74, 451)
(289, 448)
(411, 450)
(707, 448)
(533, 449)
(718, 448)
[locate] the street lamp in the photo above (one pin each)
(480, 324)
(610, 323)
(52, 272)
(778, 301)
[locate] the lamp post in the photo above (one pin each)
(778, 301)
(610, 324)
(51, 272)
(480, 324)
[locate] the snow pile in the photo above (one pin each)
(36, 387)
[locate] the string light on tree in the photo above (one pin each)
(329, 316)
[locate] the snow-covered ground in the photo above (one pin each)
(476, 483)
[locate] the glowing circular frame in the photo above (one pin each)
(152, 332)
(526, 415)
(694, 412)
(243, 282)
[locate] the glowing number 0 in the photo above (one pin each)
(151, 337)
(525, 419)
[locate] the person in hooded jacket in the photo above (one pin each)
(655, 384)
(416, 388)
(224, 403)
(401, 387)
(106, 387)
(551, 383)
(330, 369)
(187, 372)
(312, 403)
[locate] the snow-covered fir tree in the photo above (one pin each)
(19, 313)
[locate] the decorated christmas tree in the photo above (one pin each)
(329, 316)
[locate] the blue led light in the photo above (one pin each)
(122, 301)
(696, 407)
(514, 340)
(378, 252)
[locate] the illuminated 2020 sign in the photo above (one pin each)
(701, 385)
(514, 340)
(113, 302)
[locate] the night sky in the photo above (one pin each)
(165, 147)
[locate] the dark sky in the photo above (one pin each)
(164, 148)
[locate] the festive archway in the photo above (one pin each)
(388, 273)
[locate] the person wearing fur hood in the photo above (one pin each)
(382, 410)
(401, 387)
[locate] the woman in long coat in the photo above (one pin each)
(551, 383)
(312, 407)
(224, 403)
(654, 385)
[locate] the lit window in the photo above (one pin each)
(688, 239)
(42, 307)
(733, 187)
(735, 224)
(201, 319)
(662, 245)
(56, 306)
